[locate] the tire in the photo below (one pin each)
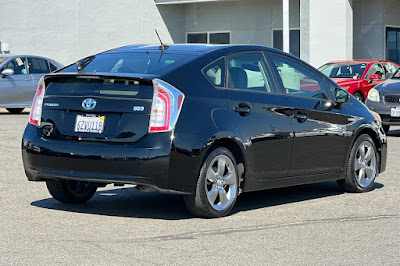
(361, 168)
(217, 186)
(386, 128)
(67, 191)
(15, 110)
(359, 96)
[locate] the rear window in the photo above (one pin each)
(105, 87)
(140, 63)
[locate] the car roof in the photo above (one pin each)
(360, 61)
(194, 49)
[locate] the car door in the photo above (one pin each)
(320, 137)
(257, 110)
(368, 84)
(12, 87)
(37, 68)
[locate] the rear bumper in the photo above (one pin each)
(145, 162)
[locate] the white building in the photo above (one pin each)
(320, 30)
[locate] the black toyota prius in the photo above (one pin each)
(208, 122)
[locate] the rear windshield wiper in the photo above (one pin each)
(81, 64)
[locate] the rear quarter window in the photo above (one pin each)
(215, 72)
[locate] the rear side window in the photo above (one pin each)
(249, 71)
(139, 63)
(52, 67)
(38, 66)
(215, 72)
(298, 80)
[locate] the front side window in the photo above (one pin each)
(19, 65)
(215, 73)
(38, 66)
(249, 71)
(376, 69)
(390, 68)
(298, 80)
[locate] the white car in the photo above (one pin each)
(19, 77)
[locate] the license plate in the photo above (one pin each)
(395, 112)
(90, 124)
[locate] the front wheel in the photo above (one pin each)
(359, 96)
(15, 110)
(217, 186)
(361, 167)
(68, 191)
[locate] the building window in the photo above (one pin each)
(393, 44)
(294, 41)
(209, 37)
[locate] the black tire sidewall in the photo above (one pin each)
(351, 183)
(200, 197)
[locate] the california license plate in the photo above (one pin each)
(395, 112)
(90, 124)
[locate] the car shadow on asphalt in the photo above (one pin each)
(130, 202)
(393, 133)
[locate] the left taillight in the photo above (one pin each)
(36, 111)
(166, 106)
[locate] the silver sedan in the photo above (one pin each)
(19, 77)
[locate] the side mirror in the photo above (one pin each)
(341, 97)
(7, 72)
(375, 77)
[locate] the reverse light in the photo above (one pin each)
(166, 106)
(36, 111)
(373, 95)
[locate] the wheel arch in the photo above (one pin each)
(369, 130)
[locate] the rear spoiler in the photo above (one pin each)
(145, 78)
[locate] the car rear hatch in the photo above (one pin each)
(97, 107)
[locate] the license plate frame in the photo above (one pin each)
(90, 124)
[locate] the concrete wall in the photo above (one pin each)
(371, 17)
(249, 21)
(326, 30)
(69, 30)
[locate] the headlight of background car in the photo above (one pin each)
(373, 95)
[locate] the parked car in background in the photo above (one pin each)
(384, 99)
(358, 77)
(160, 118)
(19, 78)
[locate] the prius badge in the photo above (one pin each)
(89, 104)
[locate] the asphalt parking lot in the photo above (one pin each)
(304, 225)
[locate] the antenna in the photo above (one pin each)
(163, 47)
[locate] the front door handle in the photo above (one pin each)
(28, 79)
(243, 109)
(300, 117)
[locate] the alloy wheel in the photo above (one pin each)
(221, 182)
(365, 164)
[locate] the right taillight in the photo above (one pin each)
(166, 106)
(36, 111)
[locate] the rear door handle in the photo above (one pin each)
(300, 117)
(243, 109)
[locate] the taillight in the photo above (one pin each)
(36, 112)
(166, 106)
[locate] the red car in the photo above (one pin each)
(359, 76)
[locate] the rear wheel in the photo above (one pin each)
(15, 110)
(359, 96)
(361, 167)
(386, 128)
(217, 186)
(68, 191)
